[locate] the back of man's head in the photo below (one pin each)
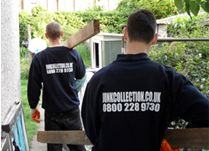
(53, 30)
(141, 26)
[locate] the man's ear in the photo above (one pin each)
(154, 39)
(125, 33)
(61, 33)
(46, 35)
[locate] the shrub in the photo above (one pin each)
(190, 27)
(109, 21)
(24, 21)
(190, 58)
(23, 52)
(161, 8)
(39, 19)
(69, 21)
(85, 54)
(24, 66)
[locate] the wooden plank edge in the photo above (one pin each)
(188, 138)
(93, 25)
(182, 138)
(76, 137)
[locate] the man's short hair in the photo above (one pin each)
(141, 26)
(53, 30)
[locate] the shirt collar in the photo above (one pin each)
(132, 57)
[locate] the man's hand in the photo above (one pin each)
(35, 115)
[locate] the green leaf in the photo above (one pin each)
(179, 4)
(205, 5)
(187, 6)
(194, 7)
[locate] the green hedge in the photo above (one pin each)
(161, 8)
(189, 58)
(110, 21)
(190, 27)
(70, 21)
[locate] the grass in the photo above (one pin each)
(85, 54)
(31, 127)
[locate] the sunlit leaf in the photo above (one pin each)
(194, 7)
(205, 5)
(187, 5)
(179, 4)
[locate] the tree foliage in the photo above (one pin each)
(192, 6)
(164, 8)
(189, 58)
(161, 8)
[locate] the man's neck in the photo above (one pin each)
(54, 43)
(137, 47)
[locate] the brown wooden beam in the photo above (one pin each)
(83, 34)
(183, 138)
(188, 138)
(63, 137)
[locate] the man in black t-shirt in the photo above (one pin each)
(129, 104)
(55, 70)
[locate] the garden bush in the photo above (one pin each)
(191, 59)
(24, 21)
(161, 8)
(70, 22)
(197, 26)
(109, 21)
(196, 54)
(24, 66)
(38, 21)
(84, 51)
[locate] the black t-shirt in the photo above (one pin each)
(128, 104)
(55, 69)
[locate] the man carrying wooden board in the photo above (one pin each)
(129, 104)
(55, 70)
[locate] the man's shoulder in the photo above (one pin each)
(41, 53)
(52, 50)
(100, 74)
(165, 68)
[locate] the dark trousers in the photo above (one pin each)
(63, 121)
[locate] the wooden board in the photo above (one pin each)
(191, 138)
(63, 137)
(85, 33)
